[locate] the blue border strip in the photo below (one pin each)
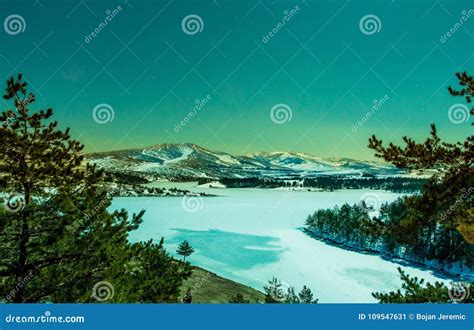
(210, 317)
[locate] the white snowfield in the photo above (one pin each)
(251, 235)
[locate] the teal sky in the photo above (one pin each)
(320, 64)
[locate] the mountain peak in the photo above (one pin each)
(172, 160)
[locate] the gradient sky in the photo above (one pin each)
(320, 64)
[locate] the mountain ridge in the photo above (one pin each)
(169, 160)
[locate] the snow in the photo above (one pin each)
(251, 235)
(184, 150)
(227, 159)
(213, 184)
(170, 159)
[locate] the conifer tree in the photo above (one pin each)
(185, 250)
(415, 291)
(306, 296)
(275, 294)
(453, 179)
(273, 291)
(57, 238)
(431, 216)
(290, 296)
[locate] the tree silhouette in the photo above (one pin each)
(306, 296)
(416, 291)
(453, 179)
(185, 250)
(444, 209)
(57, 239)
(467, 91)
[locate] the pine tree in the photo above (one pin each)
(431, 226)
(275, 294)
(453, 178)
(306, 296)
(273, 291)
(467, 91)
(415, 291)
(290, 296)
(57, 239)
(185, 250)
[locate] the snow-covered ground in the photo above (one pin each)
(251, 235)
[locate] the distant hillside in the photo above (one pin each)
(177, 161)
(209, 288)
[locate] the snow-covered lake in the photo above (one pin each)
(251, 235)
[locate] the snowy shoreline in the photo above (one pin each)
(454, 272)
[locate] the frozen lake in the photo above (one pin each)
(251, 235)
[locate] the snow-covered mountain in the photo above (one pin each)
(170, 161)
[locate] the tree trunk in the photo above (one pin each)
(22, 250)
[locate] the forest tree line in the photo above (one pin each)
(353, 227)
(327, 183)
